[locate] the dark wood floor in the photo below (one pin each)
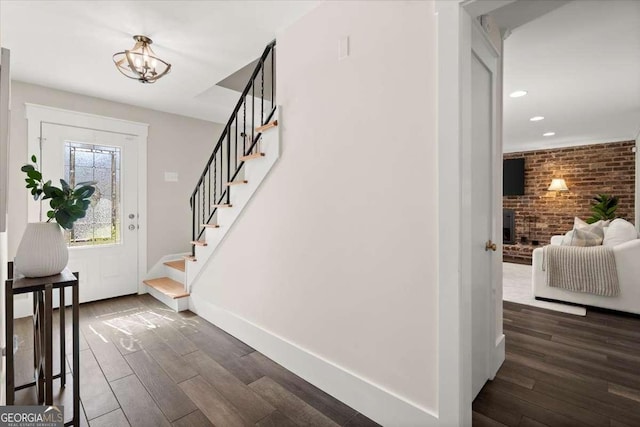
(143, 365)
(564, 370)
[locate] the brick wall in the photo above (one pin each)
(588, 170)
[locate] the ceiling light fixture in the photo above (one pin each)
(536, 119)
(141, 63)
(548, 134)
(518, 93)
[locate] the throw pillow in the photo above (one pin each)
(567, 238)
(596, 228)
(584, 237)
(620, 231)
(578, 223)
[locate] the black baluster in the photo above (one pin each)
(261, 94)
(215, 179)
(228, 165)
(193, 222)
(253, 111)
(198, 215)
(203, 204)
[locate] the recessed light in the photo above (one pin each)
(518, 93)
(536, 118)
(548, 134)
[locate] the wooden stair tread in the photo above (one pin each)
(251, 156)
(222, 205)
(210, 226)
(178, 264)
(190, 258)
(167, 286)
(229, 184)
(199, 242)
(267, 126)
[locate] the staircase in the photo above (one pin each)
(241, 159)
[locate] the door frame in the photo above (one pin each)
(37, 114)
(454, 38)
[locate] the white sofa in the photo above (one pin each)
(627, 256)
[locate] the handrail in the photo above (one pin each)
(245, 92)
(225, 153)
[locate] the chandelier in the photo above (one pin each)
(141, 63)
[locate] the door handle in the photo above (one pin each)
(490, 246)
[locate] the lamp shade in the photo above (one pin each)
(558, 184)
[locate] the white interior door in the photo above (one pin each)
(103, 246)
(484, 174)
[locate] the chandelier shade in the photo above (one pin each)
(141, 63)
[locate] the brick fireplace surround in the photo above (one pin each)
(588, 170)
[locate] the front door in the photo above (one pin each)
(103, 246)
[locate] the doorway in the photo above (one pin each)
(103, 245)
(108, 246)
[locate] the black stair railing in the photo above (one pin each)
(238, 139)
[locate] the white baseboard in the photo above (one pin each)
(379, 404)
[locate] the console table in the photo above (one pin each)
(42, 290)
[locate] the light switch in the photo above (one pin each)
(171, 176)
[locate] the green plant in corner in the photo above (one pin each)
(67, 204)
(603, 208)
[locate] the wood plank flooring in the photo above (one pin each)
(141, 364)
(564, 370)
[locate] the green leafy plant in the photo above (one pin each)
(67, 204)
(604, 208)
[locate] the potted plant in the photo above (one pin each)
(42, 250)
(603, 208)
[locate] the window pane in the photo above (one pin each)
(87, 162)
(83, 157)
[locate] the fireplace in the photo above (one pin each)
(508, 226)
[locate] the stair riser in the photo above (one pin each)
(177, 304)
(172, 273)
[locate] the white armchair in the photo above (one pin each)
(627, 256)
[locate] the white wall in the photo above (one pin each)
(175, 144)
(337, 252)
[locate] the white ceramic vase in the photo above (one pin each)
(42, 251)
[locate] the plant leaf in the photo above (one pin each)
(63, 219)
